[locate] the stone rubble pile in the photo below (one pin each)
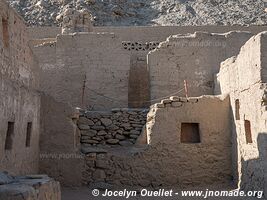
(118, 127)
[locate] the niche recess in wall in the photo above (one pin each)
(5, 33)
(29, 134)
(9, 135)
(237, 109)
(248, 131)
(190, 133)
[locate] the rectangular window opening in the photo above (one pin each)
(29, 134)
(190, 133)
(248, 132)
(9, 136)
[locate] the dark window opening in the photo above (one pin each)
(29, 134)
(237, 108)
(9, 136)
(248, 131)
(5, 32)
(190, 133)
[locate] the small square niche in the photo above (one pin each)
(190, 133)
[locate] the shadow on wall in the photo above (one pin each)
(253, 171)
(249, 174)
(234, 149)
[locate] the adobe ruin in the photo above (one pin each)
(105, 107)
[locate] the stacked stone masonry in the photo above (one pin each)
(118, 127)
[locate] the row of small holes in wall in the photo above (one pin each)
(137, 46)
(10, 134)
(247, 123)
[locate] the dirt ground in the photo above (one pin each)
(84, 193)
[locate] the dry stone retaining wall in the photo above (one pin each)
(118, 127)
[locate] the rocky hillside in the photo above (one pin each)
(148, 12)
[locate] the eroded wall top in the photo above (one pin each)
(192, 57)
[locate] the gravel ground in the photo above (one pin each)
(149, 12)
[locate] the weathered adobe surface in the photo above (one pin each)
(118, 127)
(244, 78)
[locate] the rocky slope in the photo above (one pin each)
(149, 12)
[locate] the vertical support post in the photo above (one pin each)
(83, 90)
(186, 89)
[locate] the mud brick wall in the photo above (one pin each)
(244, 78)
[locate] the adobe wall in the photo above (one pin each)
(146, 33)
(93, 61)
(130, 49)
(201, 164)
(244, 78)
(20, 101)
(193, 57)
(60, 142)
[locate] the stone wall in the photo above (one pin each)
(20, 101)
(118, 127)
(166, 161)
(244, 78)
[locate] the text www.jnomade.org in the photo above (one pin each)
(171, 193)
